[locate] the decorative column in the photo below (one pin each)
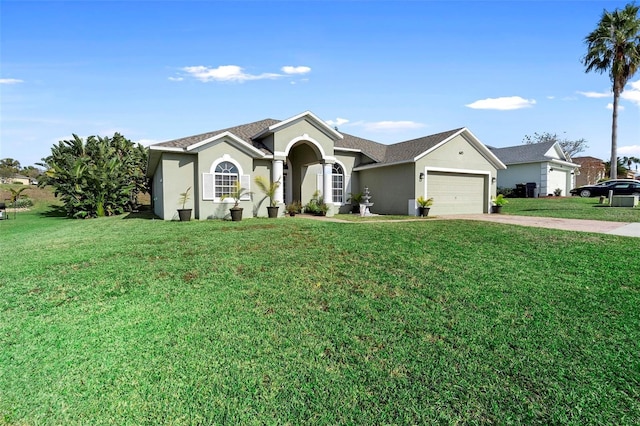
(327, 192)
(278, 174)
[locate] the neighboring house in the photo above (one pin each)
(306, 154)
(592, 170)
(544, 164)
(25, 180)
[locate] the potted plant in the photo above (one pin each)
(355, 199)
(183, 213)
(237, 193)
(498, 201)
(316, 206)
(293, 208)
(424, 205)
(269, 190)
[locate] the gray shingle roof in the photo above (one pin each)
(408, 150)
(526, 153)
(244, 132)
(381, 153)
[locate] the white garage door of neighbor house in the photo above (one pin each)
(456, 193)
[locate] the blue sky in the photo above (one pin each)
(387, 71)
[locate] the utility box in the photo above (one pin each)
(624, 201)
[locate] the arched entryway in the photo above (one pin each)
(304, 171)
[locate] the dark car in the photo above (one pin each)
(618, 186)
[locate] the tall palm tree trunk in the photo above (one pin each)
(613, 173)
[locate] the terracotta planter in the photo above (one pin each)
(236, 214)
(423, 211)
(184, 214)
(273, 212)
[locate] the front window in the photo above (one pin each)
(226, 178)
(337, 180)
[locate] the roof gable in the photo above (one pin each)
(527, 153)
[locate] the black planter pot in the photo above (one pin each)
(272, 211)
(236, 214)
(423, 211)
(496, 209)
(355, 209)
(184, 214)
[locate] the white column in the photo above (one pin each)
(278, 174)
(327, 193)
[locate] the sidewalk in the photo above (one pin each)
(581, 225)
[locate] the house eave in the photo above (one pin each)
(378, 165)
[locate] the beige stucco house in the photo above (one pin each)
(306, 154)
(544, 164)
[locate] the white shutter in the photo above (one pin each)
(245, 182)
(207, 186)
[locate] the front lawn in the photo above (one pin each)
(570, 208)
(124, 320)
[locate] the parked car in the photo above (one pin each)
(618, 186)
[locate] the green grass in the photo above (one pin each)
(570, 208)
(125, 320)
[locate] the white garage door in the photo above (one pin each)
(456, 193)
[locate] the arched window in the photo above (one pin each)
(337, 183)
(226, 178)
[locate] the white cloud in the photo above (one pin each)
(503, 103)
(235, 73)
(610, 106)
(632, 93)
(392, 125)
(595, 94)
(10, 81)
(295, 70)
(551, 97)
(226, 73)
(337, 122)
(629, 151)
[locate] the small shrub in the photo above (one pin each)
(557, 192)
(22, 203)
(507, 192)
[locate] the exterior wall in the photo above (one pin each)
(207, 155)
(283, 137)
(352, 180)
(460, 157)
(520, 173)
(176, 175)
(390, 187)
(547, 176)
(558, 178)
(591, 171)
(157, 193)
(260, 200)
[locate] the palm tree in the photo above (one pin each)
(614, 46)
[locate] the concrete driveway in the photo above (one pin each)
(581, 225)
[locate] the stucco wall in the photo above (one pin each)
(207, 155)
(178, 174)
(157, 192)
(390, 187)
(520, 173)
(457, 153)
(284, 136)
(352, 180)
(259, 199)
